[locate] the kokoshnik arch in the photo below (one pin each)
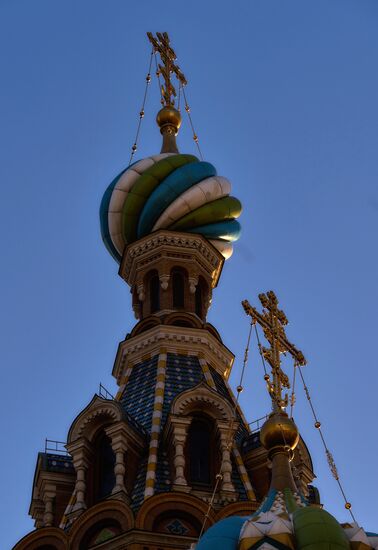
(170, 462)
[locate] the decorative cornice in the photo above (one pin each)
(96, 408)
(178, 340)
(151, 248)
(214, 404)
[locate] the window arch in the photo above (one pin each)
(178, 289)
(99, 533)
(102, 479)
(154, 292)
(201, 452)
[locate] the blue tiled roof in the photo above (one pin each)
(139, 485)
(220, 385)
(163, 473)
(238, 484)
(138, 398)
(224, 391)
(183, 372)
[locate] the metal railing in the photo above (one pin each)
(104, 393)
(256, 425)
(57, 447)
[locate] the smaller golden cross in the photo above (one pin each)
(161, 45)
(272, 320)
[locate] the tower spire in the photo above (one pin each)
(168, 118)
(279, 435)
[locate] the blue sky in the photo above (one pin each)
(284, 100)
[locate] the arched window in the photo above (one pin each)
(200, 452)
(99, 533)
(178, 289)
(103, 478)
(154, 288)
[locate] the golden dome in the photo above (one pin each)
(169, 116)
(279, 431)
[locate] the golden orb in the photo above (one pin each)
(169, 116)
(279, 431)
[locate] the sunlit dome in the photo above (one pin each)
(170, 191)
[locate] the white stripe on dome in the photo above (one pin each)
(119, 194)
(205, 191)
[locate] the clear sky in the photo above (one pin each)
(284, 100)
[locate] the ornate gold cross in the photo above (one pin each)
(161, 45)
(272, 320)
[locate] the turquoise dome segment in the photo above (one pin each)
(172, 187)
(110, 223)
(227, 231)
(143, 190)
(176, 192)
(104, 220)
(224, 535)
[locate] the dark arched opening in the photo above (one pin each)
(201, 453)
(102, 479)
(178, 289)
(154, 290)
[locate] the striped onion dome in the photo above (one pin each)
(286, 521)
(170, 191)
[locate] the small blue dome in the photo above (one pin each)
(224, 535)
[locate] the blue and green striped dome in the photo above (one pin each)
(169, 191)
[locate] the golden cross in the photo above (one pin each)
(272, 320)
(161, 45)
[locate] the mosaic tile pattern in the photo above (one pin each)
(138, 398)
(223, 390)
(163, 474)
(237, 481)
(220, 385)
(183, 373)
(139, 485)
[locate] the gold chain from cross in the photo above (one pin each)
(161, 45)
(272, 320)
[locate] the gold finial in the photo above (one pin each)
(272, 320)
(168, 118)
(279, 434)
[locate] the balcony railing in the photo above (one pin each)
(56, 447)
(256, 425)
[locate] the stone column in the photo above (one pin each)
(80, 451)
(179, 431)
(48, 499)
(193, 282)
(226, 435)
(118, 435)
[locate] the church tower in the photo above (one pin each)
(171, 454)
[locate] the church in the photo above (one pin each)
(170, 462)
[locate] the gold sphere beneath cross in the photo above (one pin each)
(279, 431)
(169, 116)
